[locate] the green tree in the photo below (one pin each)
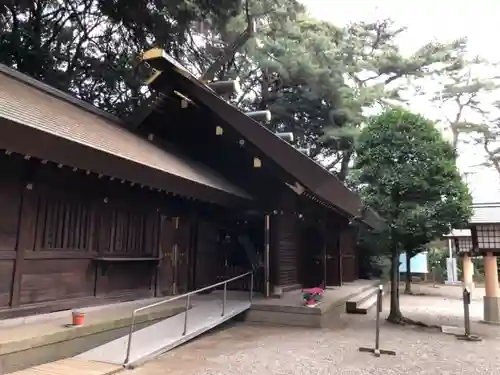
(319, 80)
(90, 47)
(486, 135)
(313, 75)
(468, 94)
(463, 93)
(379, 73)
(407, 173)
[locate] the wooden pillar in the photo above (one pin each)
(468, 270)
(492, 296)
(324, 234)
(491, 275)
(27, 224)
(267, 237)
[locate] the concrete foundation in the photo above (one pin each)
(289, 310)
(42, 340)
(491, 310)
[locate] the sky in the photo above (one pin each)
(428, 20)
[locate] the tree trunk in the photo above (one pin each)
(395, 315)
(344, 165)
(408, 273)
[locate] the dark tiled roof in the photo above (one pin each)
(32, 104)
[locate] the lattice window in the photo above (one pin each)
(465, 244)
(488, 236)
(129, 232)
(65, 225)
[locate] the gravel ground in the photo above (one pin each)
(240, 348)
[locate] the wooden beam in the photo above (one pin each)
(226, 87)
(286, 136)
(263, 116)
(143, 112)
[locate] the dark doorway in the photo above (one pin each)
(333, 258)
(240, 248)
(312, 256)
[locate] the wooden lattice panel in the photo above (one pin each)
(488, 236)
(464, 244)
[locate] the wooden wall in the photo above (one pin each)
(286, 242)
(348, 251)
(55, 223)
(10, 203)
(297, 251)
(207, 261)
(334, 265)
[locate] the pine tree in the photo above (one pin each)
(319, 80)
(90, 47)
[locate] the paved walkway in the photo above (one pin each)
(239, 348)
(71, 367)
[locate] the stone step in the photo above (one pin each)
(353, 303)
(367, 304)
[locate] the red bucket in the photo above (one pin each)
(78, 318)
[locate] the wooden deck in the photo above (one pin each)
(73, 367)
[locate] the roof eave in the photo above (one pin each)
(313, 176)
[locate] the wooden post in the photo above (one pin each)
(175, 253)
(468, 268)
(491, 276)
(266, 255)
(26, 240)
(340, 244)
(324, 255)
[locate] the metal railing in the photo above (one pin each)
(188, 300)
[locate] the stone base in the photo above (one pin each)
(491, 309)
(280, 290)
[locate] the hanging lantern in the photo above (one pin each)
(488, 237)
(462, 244)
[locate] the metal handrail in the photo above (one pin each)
(188, 297)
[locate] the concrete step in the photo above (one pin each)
(354, 302)
(367, 305)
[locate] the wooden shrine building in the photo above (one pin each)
(187, 192)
